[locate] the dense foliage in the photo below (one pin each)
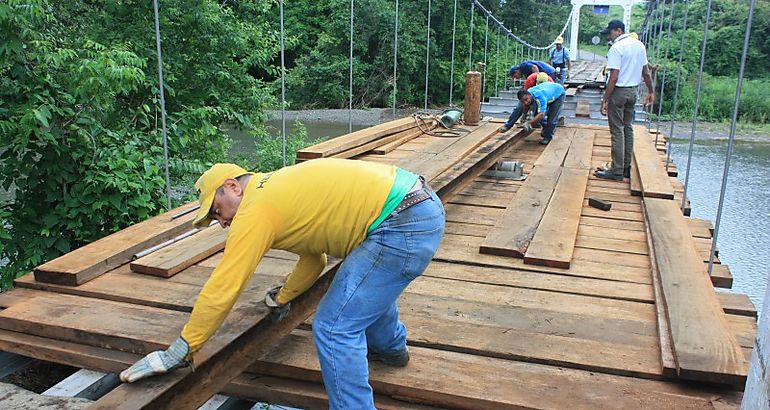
(81, 150)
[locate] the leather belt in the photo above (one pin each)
(420, 193)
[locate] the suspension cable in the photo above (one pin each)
(731, 141)
(350, 75)
(697, 101)
(484, 83)
(283, 90)
(470, 46)
(162, 105)
(427, 58)
(395, 60)
(665, 70)
(678, 78)
(497, 63)
(519, 39)
(452, 71)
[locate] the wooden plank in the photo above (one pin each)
(355, 139)
(636, 183)
(554, 241)
(571, 92)
(444, 160)
(654, 180)
(517, 384)
(514, 231)
(404, 137)
(397, 138)
(704, 348)
(174, 258)
(737, 304)
(721, 276)
(98, 257)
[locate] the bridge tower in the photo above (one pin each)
(577, 4)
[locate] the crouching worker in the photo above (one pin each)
(518, 110)
(385, 221)
(549, 98)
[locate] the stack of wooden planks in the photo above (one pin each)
(541, 222)
(586, 336)
(380, 139)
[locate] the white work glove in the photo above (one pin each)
(527, 127)
(277, 311)
(158, 362)
(565, 73)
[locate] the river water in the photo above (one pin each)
(744, 233)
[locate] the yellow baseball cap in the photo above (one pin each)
(207, 186)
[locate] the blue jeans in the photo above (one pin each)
(359, 310)
(518, 111)
(552, 117)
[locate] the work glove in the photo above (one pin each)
(527, 127)
(277, 311)
(565, 73)
(158, 362)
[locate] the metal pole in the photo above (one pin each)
(395, 60)
(660, 29)
(452, 71)
(283, 90)
(497, 64)
(427, 58)
(678, 79)
(162, 105)
(663, 80)
(731, 141)
(697, 100)
(486, 38)
(350, 75)
(470, 47)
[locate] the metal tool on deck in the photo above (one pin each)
(507, 169)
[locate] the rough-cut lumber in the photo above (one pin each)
(433, 167)
(655, 183)
(636, 183)
(397, 138)
(703, 346)
(355, 139)
(98, 257)
(554, 241)
(514, 231)
(737, 304)
(174, 258)
(404, 137)
(721, 276)
(571, 91)
(516, 384)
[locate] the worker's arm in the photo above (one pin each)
(542, 107)
(610, 88)
(251, 236)
(568, 61)
(647, 76)
(303, 276)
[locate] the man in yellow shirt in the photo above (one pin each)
(385, 221)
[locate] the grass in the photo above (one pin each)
(598, 49)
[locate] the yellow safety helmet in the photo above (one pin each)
(559, 40)
(634, 35)
(541, 78)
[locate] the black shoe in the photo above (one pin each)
(399, 359)
(544, 141)
(627, 172)
(608, 174)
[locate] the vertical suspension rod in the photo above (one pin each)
(162, 105)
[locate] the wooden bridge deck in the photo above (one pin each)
(485, 331)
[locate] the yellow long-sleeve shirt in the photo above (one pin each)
(319, 207)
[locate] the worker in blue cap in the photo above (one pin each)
(527, 67)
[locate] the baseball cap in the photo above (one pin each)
(559, 40)
(613, 24)
(207, 186)
(513, 70)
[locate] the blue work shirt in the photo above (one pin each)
(526, 68)
(559, 56)
(546, 93)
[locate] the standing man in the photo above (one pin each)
(627, 63)
(527, 67)
(518, 110)
(549, 98)
(560, 60)
(385, 221)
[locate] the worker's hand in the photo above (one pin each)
(527, 127)
(604, 107)
(158, 362)
(277, 311)
(566, 74)
(649, 100)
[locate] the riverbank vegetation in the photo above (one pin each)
(81, 153)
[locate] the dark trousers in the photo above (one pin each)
(552, 117)
(620, 115)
